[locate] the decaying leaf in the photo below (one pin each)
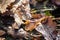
(51, 23)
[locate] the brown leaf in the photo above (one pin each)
(2, 32)
(2, 38)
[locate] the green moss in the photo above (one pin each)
(47, 13)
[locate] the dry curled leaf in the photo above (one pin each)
(4, 4)
(32, 25)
